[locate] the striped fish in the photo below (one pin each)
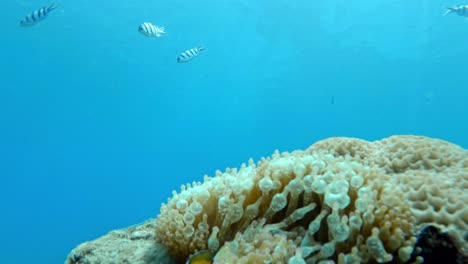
(37, 16)
(189, 54)
(461, 10)
(151, 30)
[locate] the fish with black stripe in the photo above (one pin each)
(37, 16)
(461, 10)
(189, 54)
(151, 30)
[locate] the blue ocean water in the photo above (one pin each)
(99, 124)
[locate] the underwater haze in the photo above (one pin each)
(99, 123)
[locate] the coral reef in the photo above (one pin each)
(399, 200)
(342, 200)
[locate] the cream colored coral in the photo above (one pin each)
(257, 245)
(342, 200)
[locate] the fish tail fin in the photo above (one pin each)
(52, 7)
(201, 47)
(449, 10)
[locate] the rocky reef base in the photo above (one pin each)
(135, 244)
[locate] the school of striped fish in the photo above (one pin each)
(150, 30)
(147, 29)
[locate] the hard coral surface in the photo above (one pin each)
(342, 200)
(133, 245)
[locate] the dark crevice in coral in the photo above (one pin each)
(437, 247)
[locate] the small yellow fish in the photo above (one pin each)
(201, 257)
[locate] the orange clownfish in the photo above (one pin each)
(201, 257)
